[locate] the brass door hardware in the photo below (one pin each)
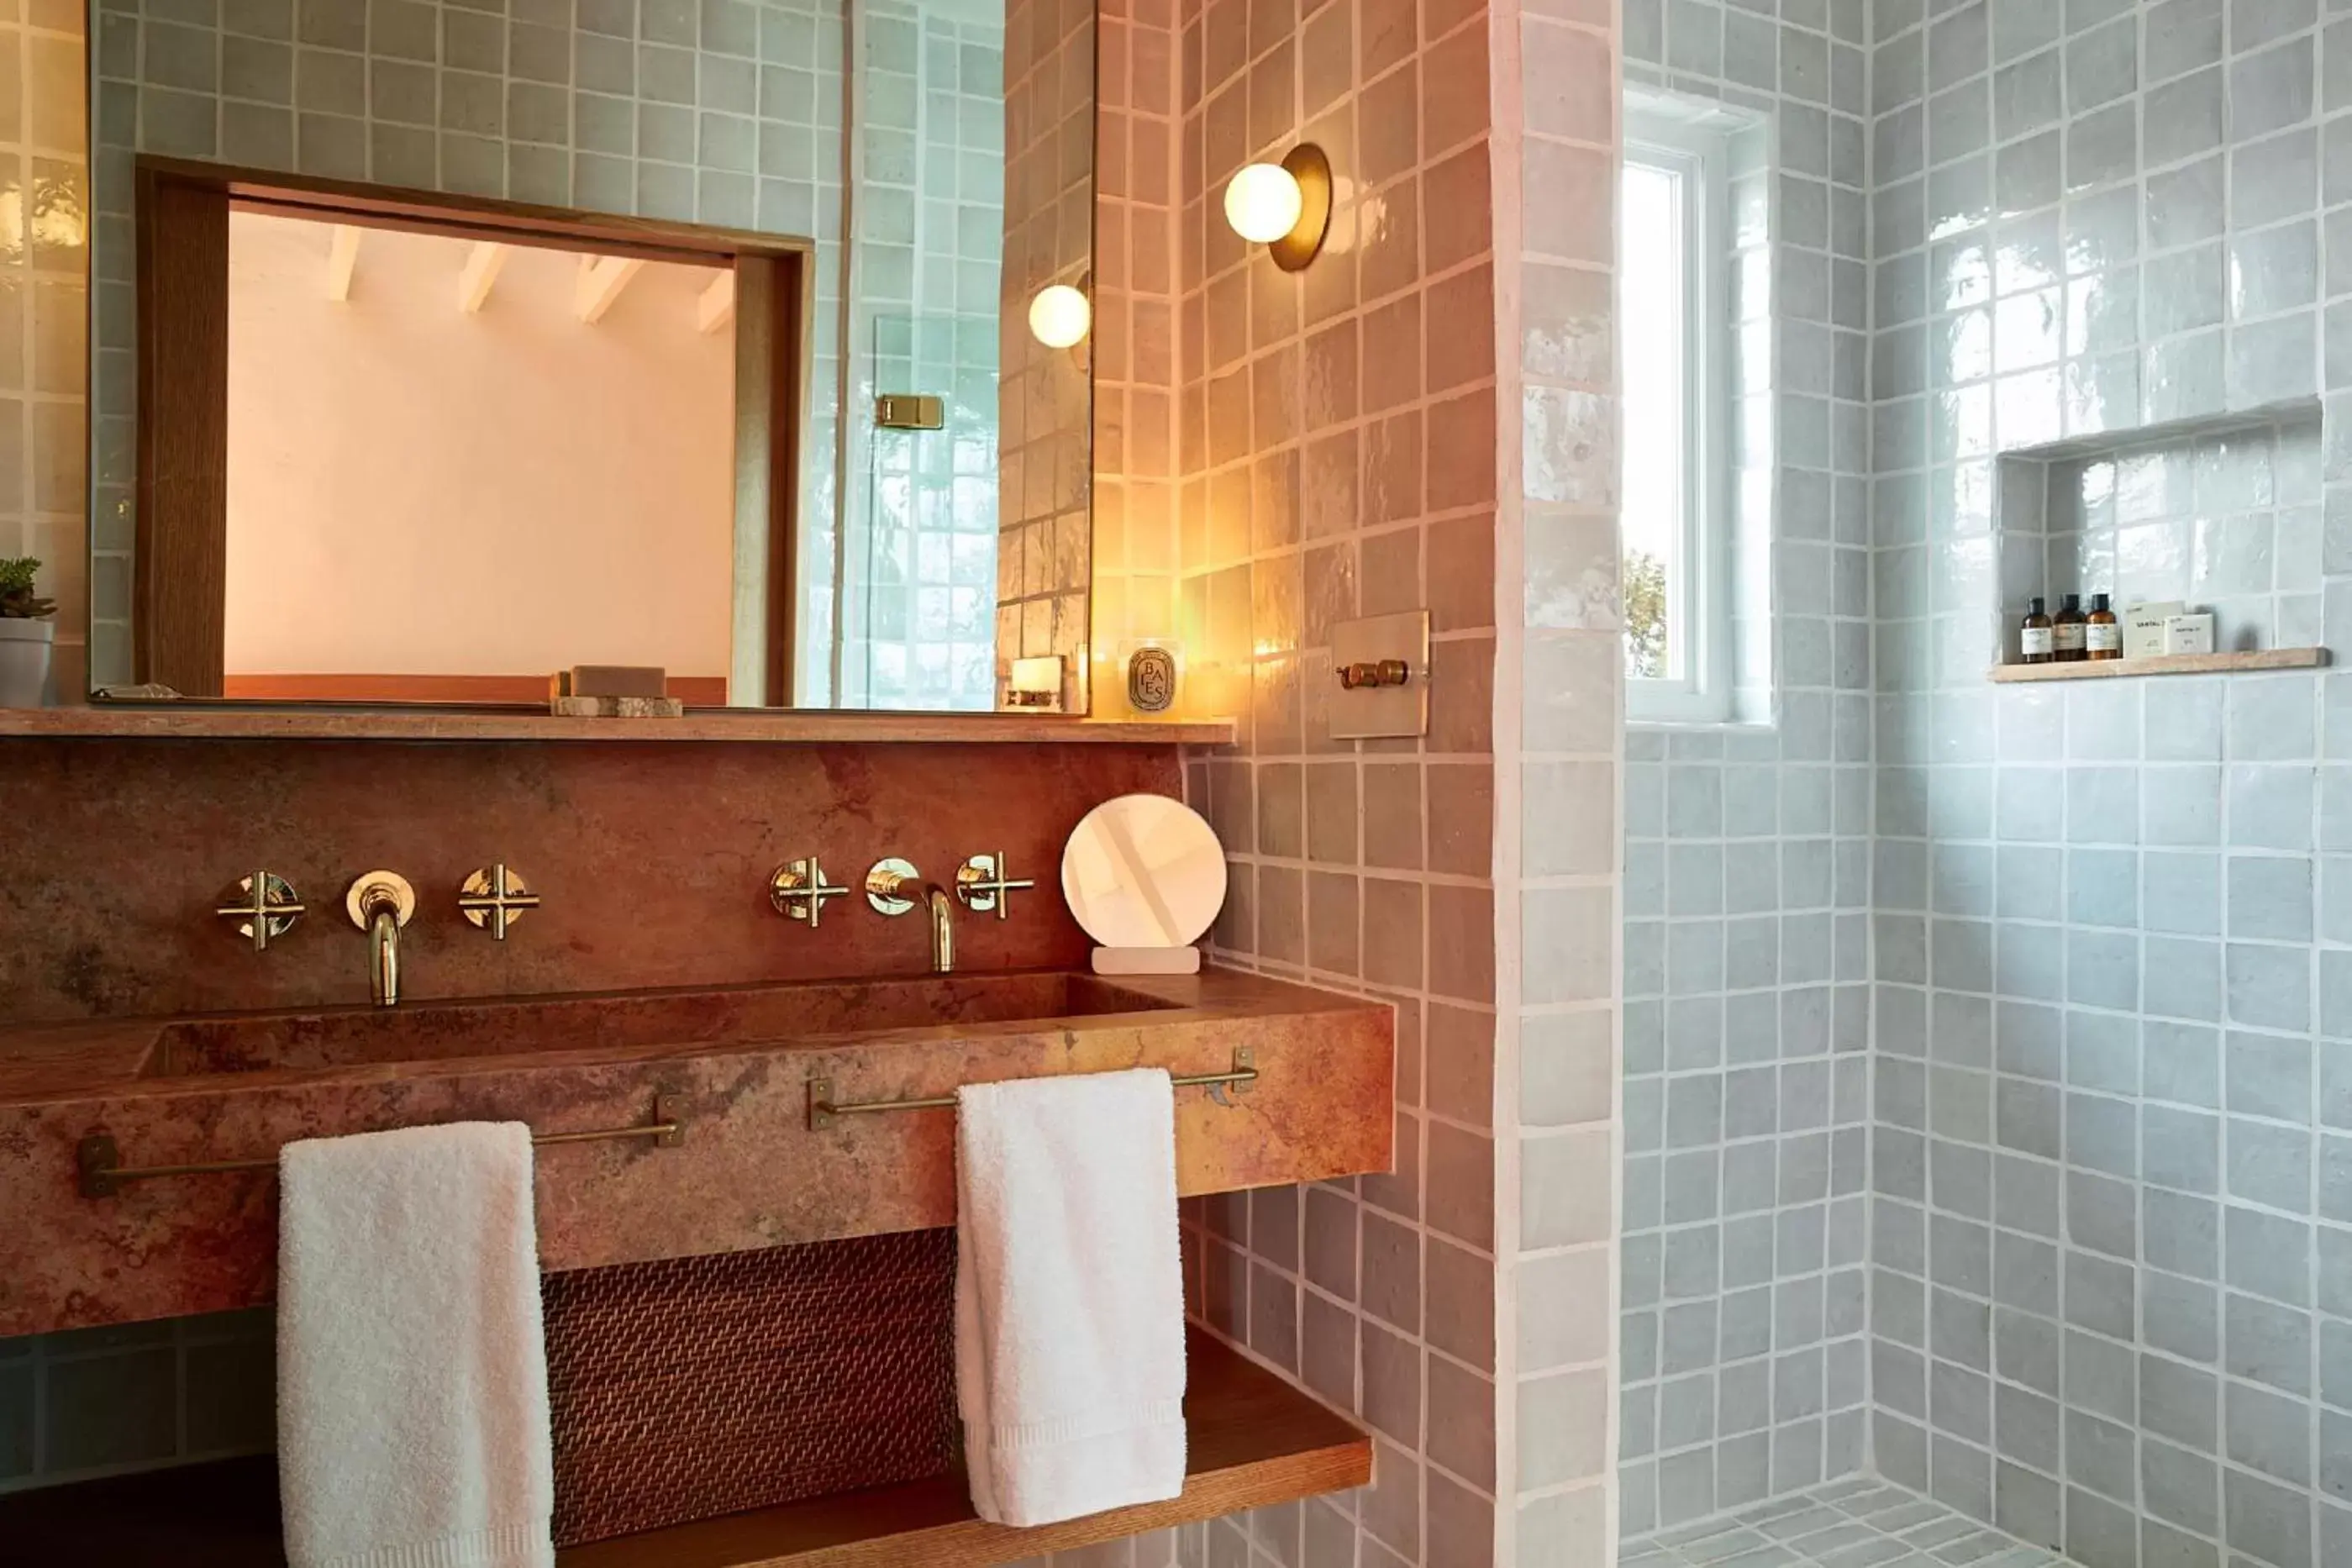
(911, 411)
(798, 889)
(102, 1174)
(265, 906)
(1381, 663)
(379, 903)
(1374, 672)
(892, 886)
(823, 1108)
(983, 885)
(494, 900)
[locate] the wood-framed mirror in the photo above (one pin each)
(770, 417)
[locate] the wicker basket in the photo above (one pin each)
(700, 1386)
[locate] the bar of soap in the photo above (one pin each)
(2144, 627)
(616, 680)
(2189, 633)
(616, 707)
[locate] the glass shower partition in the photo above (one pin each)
(918, 561)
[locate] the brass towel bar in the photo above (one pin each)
(103, 1173)
(823, 1108)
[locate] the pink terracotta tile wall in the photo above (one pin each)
(44, 269)
(1043, 559)
(1565, 726)
(1337, 457)
(1134, 337)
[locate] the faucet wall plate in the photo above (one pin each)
(372, 886)
(890, 884)
(265, 906)
(495, 899)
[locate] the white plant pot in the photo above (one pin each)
(25, 652)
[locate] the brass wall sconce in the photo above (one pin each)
(1285, 206)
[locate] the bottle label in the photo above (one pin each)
(2103, 637)
(2068, 637)
(2034, 641)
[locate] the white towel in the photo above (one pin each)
(412, 1376)
(1069, 1295)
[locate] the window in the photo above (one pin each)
(1673, 241)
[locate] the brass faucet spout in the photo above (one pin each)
(379, 903)
(890, 888)
(383, 953)
(943, 909)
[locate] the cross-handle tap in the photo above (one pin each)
(379, 903)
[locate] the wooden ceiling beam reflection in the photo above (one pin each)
(602, 278)
(480, 275)
(717, 306)
(342, 257)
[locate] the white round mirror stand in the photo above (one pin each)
(1146, 876)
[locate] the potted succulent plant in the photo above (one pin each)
(27, 636)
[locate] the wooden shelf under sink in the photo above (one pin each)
(1252, 1440)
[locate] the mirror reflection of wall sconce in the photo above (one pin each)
(1285, 206)
(1059, 316)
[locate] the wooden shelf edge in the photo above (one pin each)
(2166, 664)
(1253, 1440)
(212, 722)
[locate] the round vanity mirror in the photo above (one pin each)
(1145, 876)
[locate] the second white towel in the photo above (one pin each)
(1069, 1295)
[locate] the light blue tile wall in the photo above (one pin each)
(1747, 848)
(97, 1402)
(2110, 1287)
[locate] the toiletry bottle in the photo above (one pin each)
(2102, 637)
(2034, 636)
(2066, 630)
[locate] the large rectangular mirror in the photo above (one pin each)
(438, 350)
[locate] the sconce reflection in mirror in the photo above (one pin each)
(1059, 316)
(1285, 206)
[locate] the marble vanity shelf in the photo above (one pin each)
(738, 1064)
(1253, 1441)
(2167, 664)
(227, 722)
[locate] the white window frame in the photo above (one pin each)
(1662, 136)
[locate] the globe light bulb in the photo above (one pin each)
(1263, 203)
(1059, 316)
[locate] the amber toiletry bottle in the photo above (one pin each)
(2034, 636)
(2102, 637)
(2066, 630)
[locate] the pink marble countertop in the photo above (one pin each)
(738, 1063)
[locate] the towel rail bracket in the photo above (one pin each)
(101, 1173)
(824, 1110)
